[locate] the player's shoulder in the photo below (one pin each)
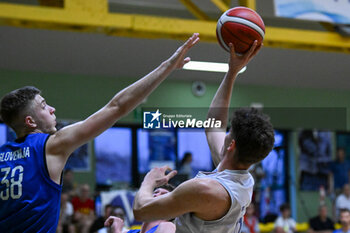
(206, 188)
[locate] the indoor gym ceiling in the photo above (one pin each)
(97, 54)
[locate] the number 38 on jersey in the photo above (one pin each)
(11, 182)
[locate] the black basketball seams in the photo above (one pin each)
(232, 34)
(247, 26)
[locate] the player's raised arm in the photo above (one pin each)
(195, 195)
(221, 101)
(65, 141)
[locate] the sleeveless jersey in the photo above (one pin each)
(239, 185)
(29, 199)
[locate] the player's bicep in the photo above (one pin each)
(165, 207)
(69, 138)
(183, 199)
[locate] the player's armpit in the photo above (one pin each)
(61, 144)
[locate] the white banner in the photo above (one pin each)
(333, 11)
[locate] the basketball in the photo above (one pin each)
(240, 26)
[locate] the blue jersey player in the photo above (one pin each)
(31, 167)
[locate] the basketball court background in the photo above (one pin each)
(79, 65)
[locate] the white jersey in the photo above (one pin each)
(239, 184)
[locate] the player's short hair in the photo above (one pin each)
(168, 187)
(16, 102)
(253, 133)
(284, 207)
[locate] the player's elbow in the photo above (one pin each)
(117, 108)
(139, 214)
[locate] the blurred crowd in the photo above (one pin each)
(81, 210)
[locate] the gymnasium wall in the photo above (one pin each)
(76, 97)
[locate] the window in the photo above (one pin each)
(194, 141)
(113, 150)
(155, 148)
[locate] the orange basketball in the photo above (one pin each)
(240, 26)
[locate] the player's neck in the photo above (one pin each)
(25, 132)
(228, 163)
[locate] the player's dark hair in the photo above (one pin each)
(253, 133)
(284, 207)
(15, 102)
(168, 187)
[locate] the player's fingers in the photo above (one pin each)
(171, 174)
(166, 168)
(161, 181)
(232, 49)
(195, 39)
(252, 49)
(257, 49)
(187, 59)
(191, 41)
(192, 38)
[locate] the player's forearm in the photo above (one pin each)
(219, 110)
(221, 101)
(127, 99)
(143, 197)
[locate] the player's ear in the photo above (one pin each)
(30, 122)
(232, 145)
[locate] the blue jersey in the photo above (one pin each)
(152, 230)
(29, 199)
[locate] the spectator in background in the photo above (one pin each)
(321, 223)
(66, 214)
(315, 154)
(285, 223)
(185, 166)
(68, 183)
(120, 213)
(83, 209)
(250, 222)
(340, 171)
(344, 217)
(99, 222)
(343, 200)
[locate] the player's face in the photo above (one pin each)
(44, 115)
(159, 191)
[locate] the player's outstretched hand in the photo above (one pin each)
(178, 59)
(116, 224)
(158, 177)
(238, 61)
